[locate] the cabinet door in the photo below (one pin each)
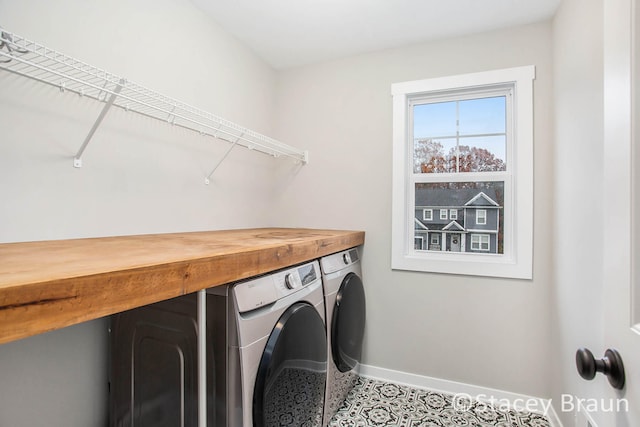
(154, 375)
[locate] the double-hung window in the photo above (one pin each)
(480, 242)
(463, 146)
(481, 216)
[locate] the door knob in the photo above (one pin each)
(610, 365)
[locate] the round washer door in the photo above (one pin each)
(347, 324)
(292, 374)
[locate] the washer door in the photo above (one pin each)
(347, 324)
(292, 373)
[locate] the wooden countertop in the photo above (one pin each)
(52, 284)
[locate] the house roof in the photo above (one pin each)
(441, 197)
(453, 226)
(481, 199)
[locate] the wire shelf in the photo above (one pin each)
(33, 60)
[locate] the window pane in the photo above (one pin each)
(434, 156)
(478, 207)
(433, 120)
(483, 116)
(460, 136)
(483, 154)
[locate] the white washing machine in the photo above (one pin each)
(345, 317)
(275, 349)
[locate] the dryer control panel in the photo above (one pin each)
(268, 289)
(340, 260)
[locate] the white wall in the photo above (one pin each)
(139, 176)
(483, 331)
(577, 314)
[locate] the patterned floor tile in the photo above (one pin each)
(377, 403)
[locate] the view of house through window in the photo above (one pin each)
(473, 214)
(453, 136)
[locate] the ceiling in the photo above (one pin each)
(288, 33)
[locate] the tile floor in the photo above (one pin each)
(377, 403)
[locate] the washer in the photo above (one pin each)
(345, 316)
(275, 354)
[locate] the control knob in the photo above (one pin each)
(291, 281)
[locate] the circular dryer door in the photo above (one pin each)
(292, 373)
(347, 325)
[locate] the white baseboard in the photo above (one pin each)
(583, 418)
(483, 394)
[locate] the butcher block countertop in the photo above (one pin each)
(52, 284)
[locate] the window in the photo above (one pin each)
(481, 217)
(435, 239)
(465, 142)
(427, 214)
(480, 242)
(417, 243)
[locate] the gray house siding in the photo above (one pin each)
(443, 232)
(491, 219)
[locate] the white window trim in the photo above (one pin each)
(453, 214)
(484, 217)
(516, 262)
(443, 213)
(427, 217)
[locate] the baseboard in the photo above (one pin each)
(583, 418)
(483, 394)
(553, 417)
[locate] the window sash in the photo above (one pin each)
(505, 176)
(481, 216)
(499, 90)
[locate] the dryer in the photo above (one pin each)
(345, 316)
(276, 348)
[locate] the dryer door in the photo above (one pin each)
(347, 324)
(292, 373)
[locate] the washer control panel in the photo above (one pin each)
(267, 289)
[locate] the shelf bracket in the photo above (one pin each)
(77, 159)
(207, 180)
